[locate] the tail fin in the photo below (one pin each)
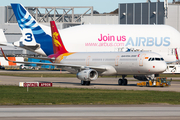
(32, 32)
(2, 37)
(177, 57)
(58, 45)
(3, 40)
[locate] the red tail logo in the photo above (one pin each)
(58, 45)
(177, 58)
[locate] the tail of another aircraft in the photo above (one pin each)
(177, 57)
(58, 45)
(32, 32)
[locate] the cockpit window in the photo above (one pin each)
(155, 59)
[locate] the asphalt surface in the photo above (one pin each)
(90, 112)
(113, 112)
(100, 83)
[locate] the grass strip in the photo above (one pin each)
(14, 95)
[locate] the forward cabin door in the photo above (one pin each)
(116, 60)
(141, 59)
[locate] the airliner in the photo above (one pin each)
(89, 65)
(36, 37)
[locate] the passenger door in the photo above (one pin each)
(141, 59)
(116, 61)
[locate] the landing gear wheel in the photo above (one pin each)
(83, 82)
(88, 82)
(147, 84)
(125, 82)
(120, 82)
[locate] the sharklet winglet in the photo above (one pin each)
(5, 56)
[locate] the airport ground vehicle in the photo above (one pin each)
(24, 67)
(159, 82)
(2, 68)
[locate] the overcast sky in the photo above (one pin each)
(98, 5)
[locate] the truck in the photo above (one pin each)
(159, 82)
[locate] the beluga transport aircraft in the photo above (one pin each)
(89, 65)
(161, 39)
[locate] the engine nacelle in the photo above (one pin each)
(87, 75)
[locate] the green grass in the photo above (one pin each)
(13, 95)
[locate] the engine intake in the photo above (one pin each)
(87, 75)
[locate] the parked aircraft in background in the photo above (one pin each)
(36, 37)
(89, 65)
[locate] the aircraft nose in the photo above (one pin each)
(162, 66)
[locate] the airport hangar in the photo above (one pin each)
(130, 13)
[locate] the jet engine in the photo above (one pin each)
(87, 75)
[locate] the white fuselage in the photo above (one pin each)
(161, 39)
(123, 63)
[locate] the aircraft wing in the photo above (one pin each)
(43, 58)
(177, 61)
(98, 68)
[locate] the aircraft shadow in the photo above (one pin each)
(79, 84)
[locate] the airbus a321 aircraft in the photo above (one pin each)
(88, 65)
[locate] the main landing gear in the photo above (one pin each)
(85, 82)
(123, 81)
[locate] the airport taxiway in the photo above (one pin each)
(100, 83)
(89, 112)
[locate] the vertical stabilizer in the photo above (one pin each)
(32, 33)
(58, 45)
(2, 37)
